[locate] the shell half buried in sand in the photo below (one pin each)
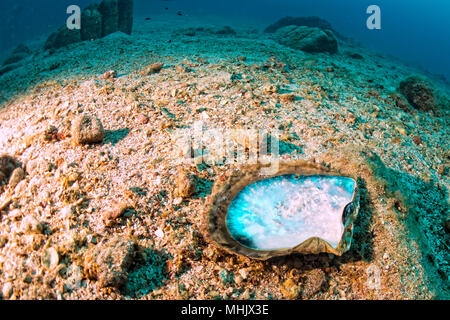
(304, 208)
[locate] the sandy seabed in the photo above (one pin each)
(105, 221)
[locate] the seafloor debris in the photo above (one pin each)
(37, 166)
(7, 166)
(109, 262)
(312, 40)
(418, 92)
(403, 186)
(185, 184)
(16, 176)
(152, 69)
(87, 129)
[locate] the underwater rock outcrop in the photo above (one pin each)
(91, 23)
(312, 40)
(304, 208)
(62, 38)
(19, 53)
(418, 92)
(126, 16)
(13, 61)
(300, 21)
(110, 16)
(97, 21)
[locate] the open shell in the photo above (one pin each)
(227, 189)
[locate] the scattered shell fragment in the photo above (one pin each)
(154, 68)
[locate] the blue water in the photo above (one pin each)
(414, 31)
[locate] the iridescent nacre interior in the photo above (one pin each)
(284, 211)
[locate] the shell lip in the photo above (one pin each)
(223, 195)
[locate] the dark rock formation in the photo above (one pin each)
(126, 16)
(9, 67)
(418, 92)
(227, 30)
(97, 21)
(62, 37)
(19, 53)
(312, 40)
(91, 23)
(110, 13)
(300, 21)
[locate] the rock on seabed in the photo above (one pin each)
(87, 129)
(312, 40)
(418, 93)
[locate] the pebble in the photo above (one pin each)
(185, 184)
(111, 74)
(87, 129)
(114, 211)
(50, 259)
(109, 262)
(417, 140)
(31, 225)
(7, 290)
(17, 175)
(315, 281)
(142, 119)
(290, 289)
(7, 166)
(4, 202)
(37, 166)
(243, 273)
(152, 69)
(159, 233)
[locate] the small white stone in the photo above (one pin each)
(177, 201)
(50, 258)
(7, 290)
(159, 233)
